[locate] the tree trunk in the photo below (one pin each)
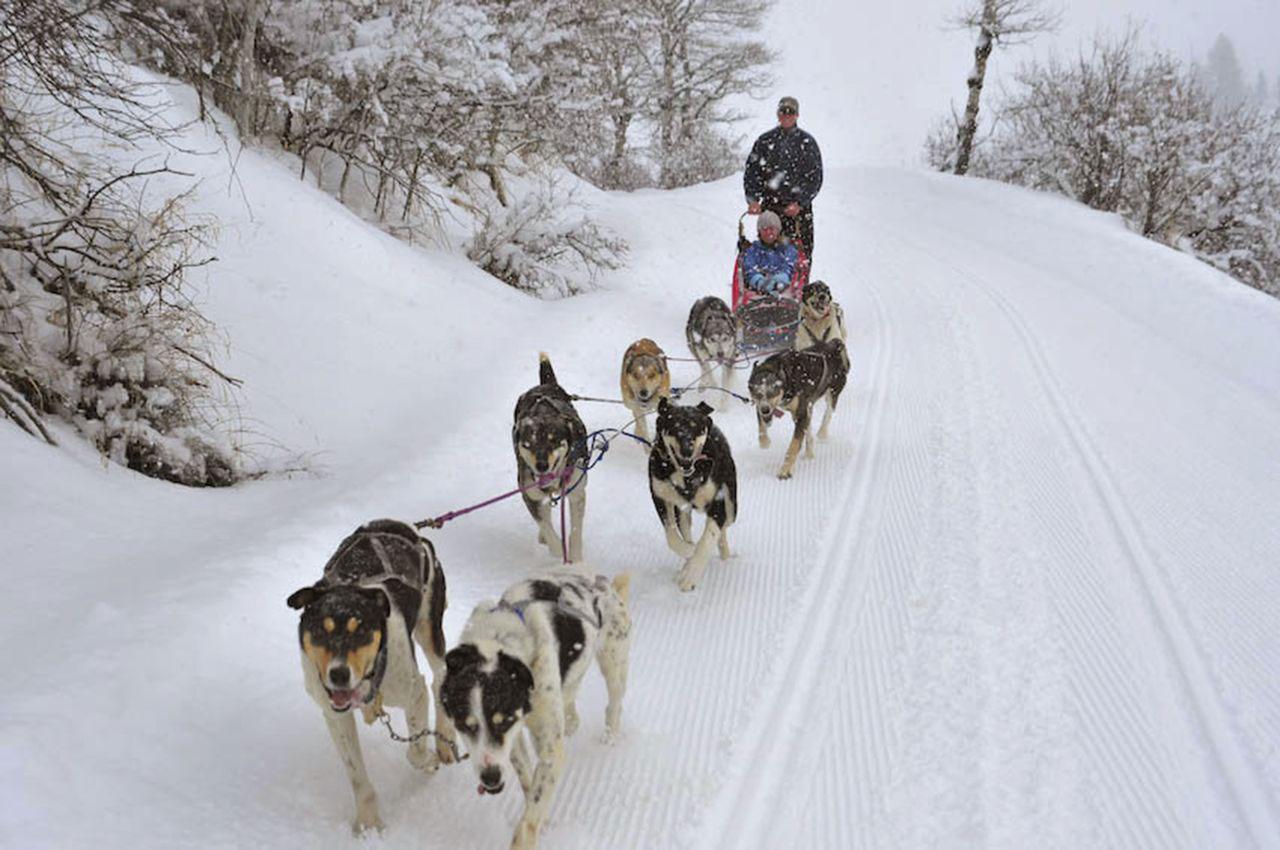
(245, 111)
(981, 51)
(413, 185)
(666, 107)
(621, 122)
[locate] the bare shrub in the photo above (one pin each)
(97, 323)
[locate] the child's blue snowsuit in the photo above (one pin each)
(768, 268)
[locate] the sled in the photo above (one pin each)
(766, 322)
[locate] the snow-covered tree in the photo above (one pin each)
(97, 325)
(1133, 132)
(615, 59)
(1261, 94)
(996, 22)
(1223, 74)
(544, 242)
(700, 52)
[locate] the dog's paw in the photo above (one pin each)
(366, 823)
(446, 750)
(423, 758)
(823, 435)
(685, 582)
(609, 737)
(784, 474)
(765, 442)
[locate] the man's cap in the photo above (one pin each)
(789, 103)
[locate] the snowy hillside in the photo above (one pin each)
(1023, 598)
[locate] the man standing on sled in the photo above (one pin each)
(783, 175)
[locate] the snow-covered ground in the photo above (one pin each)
(1025, 596)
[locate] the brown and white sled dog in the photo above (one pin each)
(382, 585)
(550, 440)
(821, 318)
(518, 667)
(691, 469)
(712, 334)
(793, 381)
(645, 379)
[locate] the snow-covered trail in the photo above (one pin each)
(1023, 596)
(1044, 661)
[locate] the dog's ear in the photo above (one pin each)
(304, 596)
(461, 657)
(520, 677)
(703, 407)
(664, 406)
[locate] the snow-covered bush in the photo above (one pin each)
(544, 243)
(96, 323)
(1134, 132)
(700, 156)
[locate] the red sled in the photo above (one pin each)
(766, 322)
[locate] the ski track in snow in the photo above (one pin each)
(1113, 717)
(1165, 610)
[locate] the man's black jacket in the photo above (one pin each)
(784, 166)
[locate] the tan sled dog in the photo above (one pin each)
(645, 380)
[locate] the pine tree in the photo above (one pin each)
(1261, 95)
(1225, 79)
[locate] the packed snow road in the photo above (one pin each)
(1023, 597)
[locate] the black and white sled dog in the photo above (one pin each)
(712, 333)
(550, 440)
(793, 381)
(691, 468)
(518, 667)
(821, 318)
(383, 585)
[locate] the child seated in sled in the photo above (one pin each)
(770, 262)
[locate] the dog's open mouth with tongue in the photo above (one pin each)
(343, 699)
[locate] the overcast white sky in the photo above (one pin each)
(872, 76)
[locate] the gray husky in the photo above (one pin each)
(712, 334)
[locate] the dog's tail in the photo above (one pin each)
(622, 586)
(546, 375)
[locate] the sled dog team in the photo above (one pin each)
(520, 660)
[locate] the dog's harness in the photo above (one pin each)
(594, 616)
(334, 575)
(826, 372)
